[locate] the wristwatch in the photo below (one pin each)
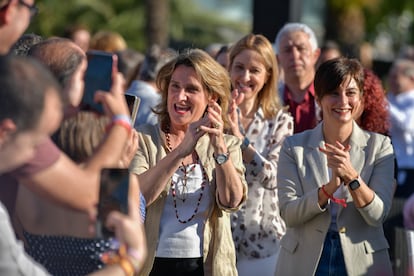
(354, 184)
(221, 158)
(245, 144)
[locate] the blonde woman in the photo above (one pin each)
(262, 124)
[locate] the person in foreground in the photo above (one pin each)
(192, 174)
(30, 110)
(336, 185)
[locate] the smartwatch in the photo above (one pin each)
(354, 184)
(221, 158)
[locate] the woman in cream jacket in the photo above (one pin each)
(335, 185)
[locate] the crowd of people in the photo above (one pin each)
(281, 158)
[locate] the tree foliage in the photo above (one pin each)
(352, 22)
(188, 25)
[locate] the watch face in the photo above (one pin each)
(221, 158)
(354, 184)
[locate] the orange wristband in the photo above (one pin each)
(120, 258)
(127, 266)
(122, 123)
(340, 201)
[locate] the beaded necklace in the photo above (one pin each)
(184, 189)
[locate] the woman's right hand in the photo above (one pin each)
(129, 231)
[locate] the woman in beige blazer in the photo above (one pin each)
(192, 173)
(335, 185)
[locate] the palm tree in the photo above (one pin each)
(157, 22)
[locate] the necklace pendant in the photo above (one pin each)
(182, 195)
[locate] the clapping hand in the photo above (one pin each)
(339, 160)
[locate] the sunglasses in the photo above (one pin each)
(32, 8)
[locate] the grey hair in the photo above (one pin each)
(407, 66)
(296, 27)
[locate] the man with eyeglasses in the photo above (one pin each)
(15, 17)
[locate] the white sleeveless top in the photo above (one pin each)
(184, 240)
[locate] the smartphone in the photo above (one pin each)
(113, 195)
(98, 76)
(133, 105)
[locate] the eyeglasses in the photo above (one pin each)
(32, 8)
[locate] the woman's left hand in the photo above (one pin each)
(212, 123)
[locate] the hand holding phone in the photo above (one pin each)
(98, 76)
(113, 195)
(133, 106)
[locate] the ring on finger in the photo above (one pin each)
(216, 125)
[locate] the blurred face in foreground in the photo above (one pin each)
(16, 147)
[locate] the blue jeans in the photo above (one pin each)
(332, 261)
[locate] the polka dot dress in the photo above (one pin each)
(70, 256)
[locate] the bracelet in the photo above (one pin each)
(135, 257)
(340, 201)
(245, 144)
(121, 120)
(121, 117)
(127, 266)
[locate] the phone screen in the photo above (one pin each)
(113, 195)
(98, 76)
(133, 105)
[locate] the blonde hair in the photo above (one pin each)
(108, 41)
(80, 135)
(268, 97)
(214, 78)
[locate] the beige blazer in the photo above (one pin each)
(300, 174)
(218, 248)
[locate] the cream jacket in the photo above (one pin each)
(300, 174)
(218, 246)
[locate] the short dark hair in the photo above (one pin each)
(155, 58)
(332, 73)
(24, 43)
(70, 30)
(129, 61)
(24, 83)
